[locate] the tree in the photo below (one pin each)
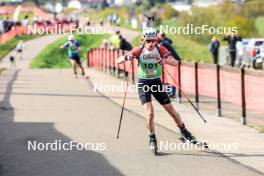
(168, 12)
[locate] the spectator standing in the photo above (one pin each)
(1, 26)
(35, 20)
(110, 19)
(124, 44)
(232, 40)
(19, 49)
(115, 39)
(115, 18)
(214, 49)
(25, 21)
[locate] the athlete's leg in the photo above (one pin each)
(177, 118)
(149, 110)
(78, 61)
(82, 69)
(145, 98)
(73, 63)
(174, 114)
(162, 97)
(150, 125)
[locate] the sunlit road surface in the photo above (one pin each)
(49, 105)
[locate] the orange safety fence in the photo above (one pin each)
(5, 10)
(230, 78)
(22, 30)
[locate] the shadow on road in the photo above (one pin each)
(15, 159)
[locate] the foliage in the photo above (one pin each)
(168, 12)
(54, 57)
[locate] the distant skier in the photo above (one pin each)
(74, 49)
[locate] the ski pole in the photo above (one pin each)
(185, 95)
(124, 100)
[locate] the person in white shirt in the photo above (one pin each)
(25, 21)
(1, 26)
(19, 49)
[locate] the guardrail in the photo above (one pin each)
(238, 86)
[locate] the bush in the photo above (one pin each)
(223, 15)
(246, 27)
(168, 12)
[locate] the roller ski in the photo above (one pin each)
(153, 144)
(187, 136)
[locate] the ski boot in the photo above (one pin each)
(186, 135)
(153, 144)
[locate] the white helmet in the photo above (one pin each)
(71, 37)
(149, 34)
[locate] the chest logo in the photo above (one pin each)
(150, 56)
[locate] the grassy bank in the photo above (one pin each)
(259, 23)
(54, 57)
(188, 49)
(11, 44)
(1, 70)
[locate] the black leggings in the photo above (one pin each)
(148, 87)
(233, 58)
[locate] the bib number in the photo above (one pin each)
(151, 66)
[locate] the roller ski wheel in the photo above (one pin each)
(86, 77)
(194, 141)
(153, 147)
(76, 76)
(187, 136)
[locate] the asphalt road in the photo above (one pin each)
(49, 105)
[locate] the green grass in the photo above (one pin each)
(54, 57)
(1, 70)
(97, 16)
(188, 49)
(261, 130)
(11, 44)
(259, 23)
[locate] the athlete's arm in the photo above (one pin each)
(64, 45)
(167, 58)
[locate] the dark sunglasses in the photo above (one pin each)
(150, 41)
